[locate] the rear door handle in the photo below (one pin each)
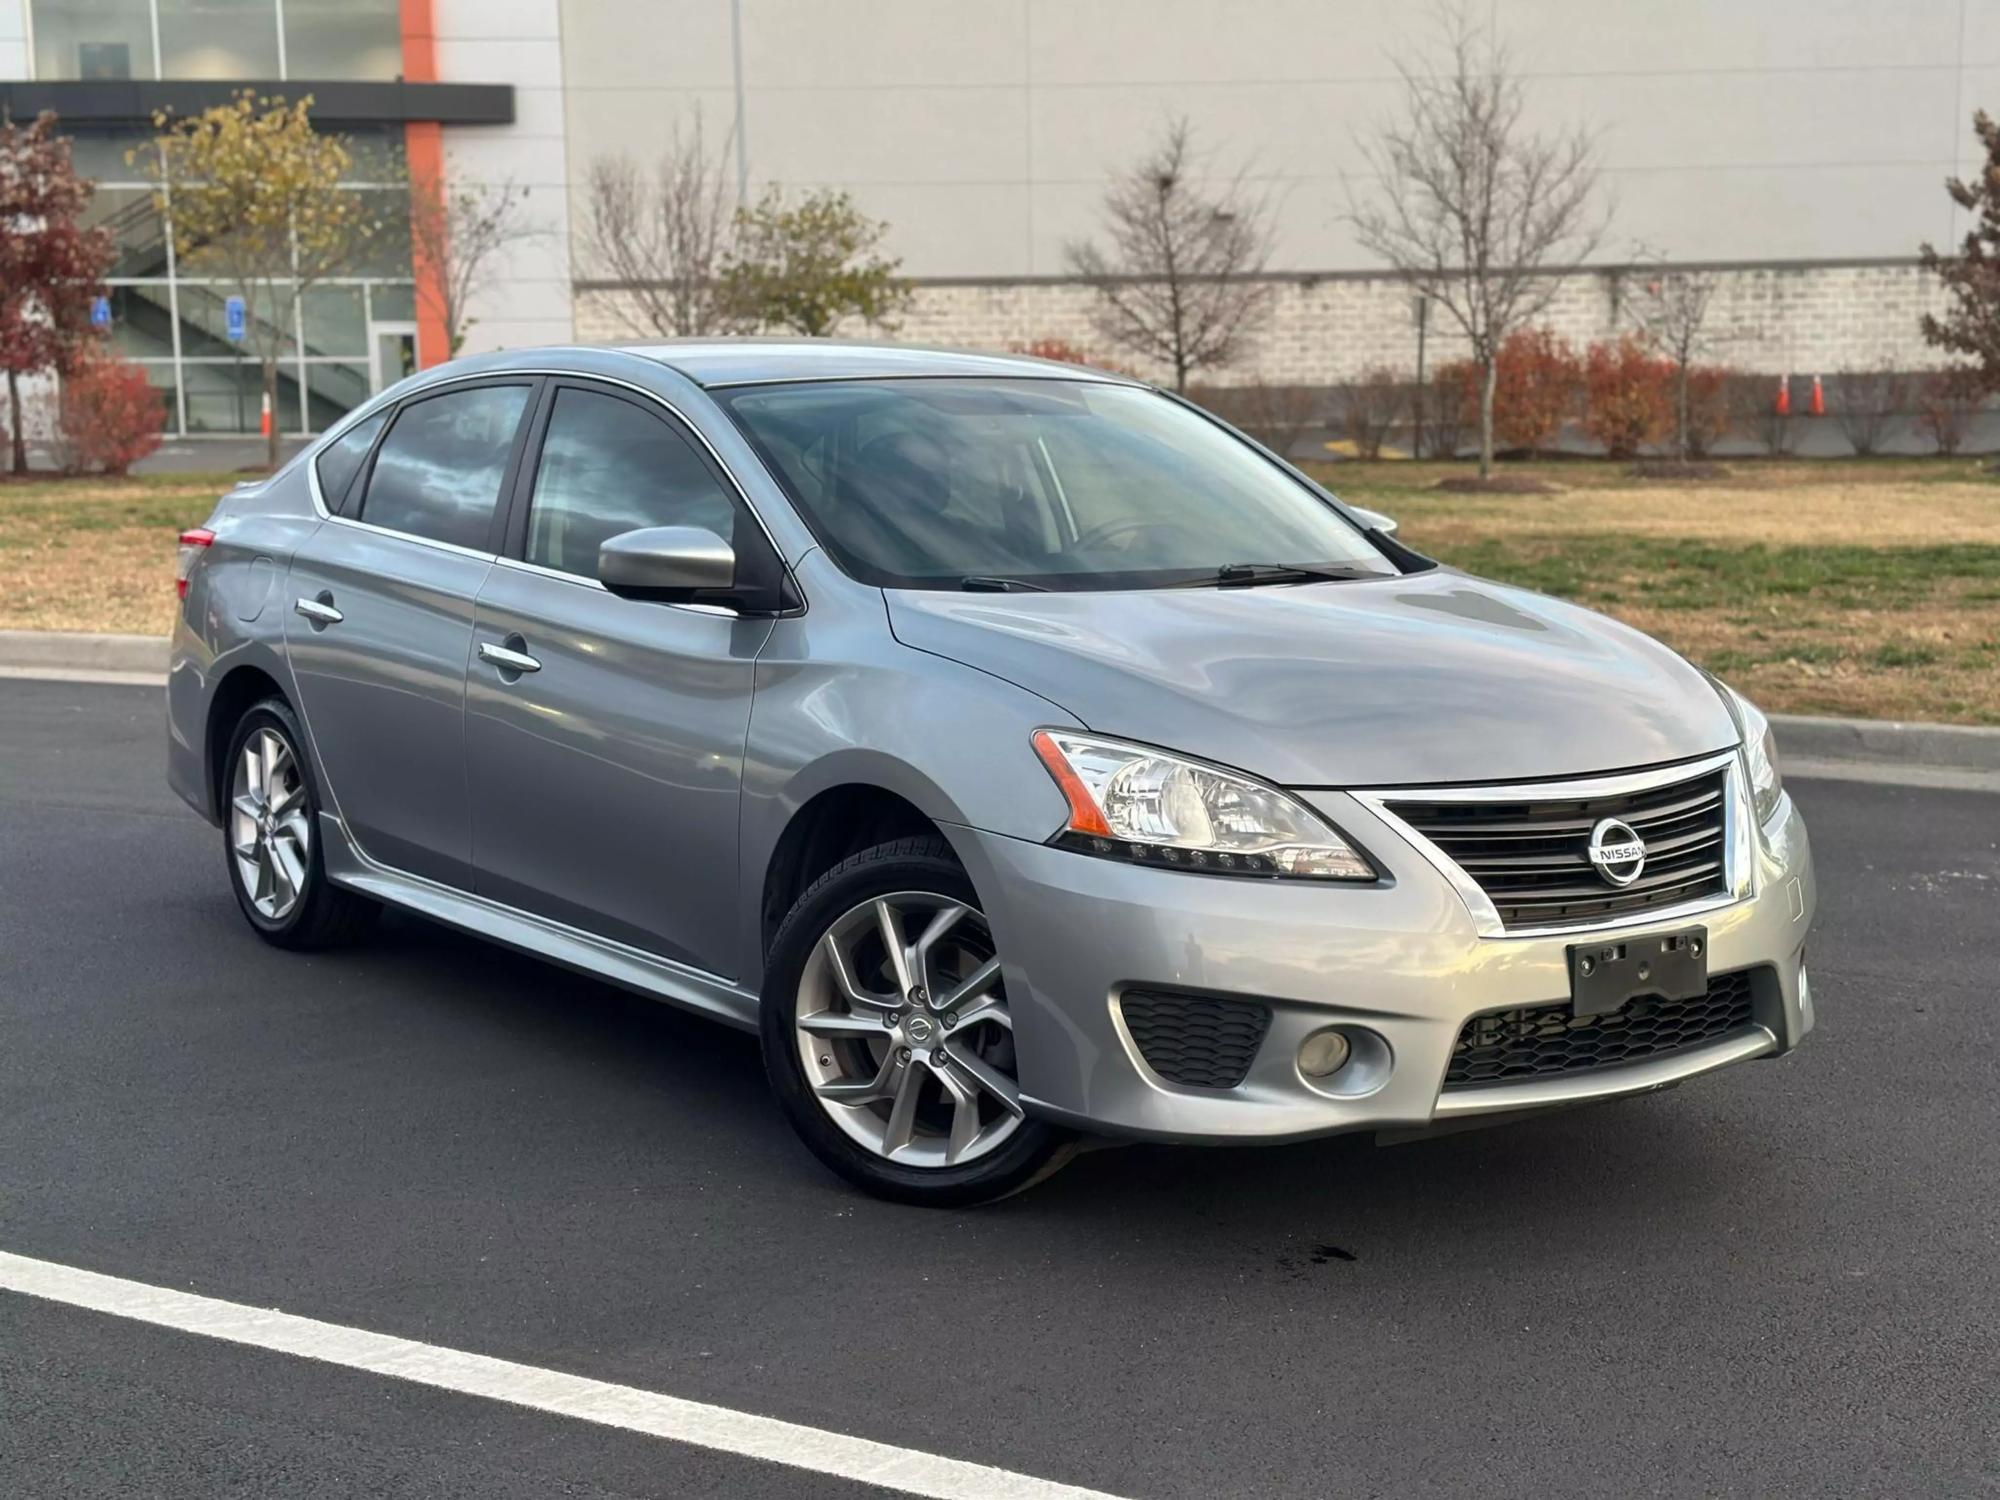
(507, 659)
(320, 611)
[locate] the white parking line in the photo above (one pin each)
(621, 1406)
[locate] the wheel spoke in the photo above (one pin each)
(978, 982)
(253, 775)
(903, 1112)
(273, 750)
(863, 1090)
(249, 806)
(298, 827)
(837, 1024)
(892, 940)
(942, 921)
(964, 1114)
(836, 961)
(989, 1008)
(292, 797)
(291, 866)
(988, 1077)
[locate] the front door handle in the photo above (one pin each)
(506, 658)
(320, 611)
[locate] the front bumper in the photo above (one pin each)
(1402, 960)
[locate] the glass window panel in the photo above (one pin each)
(346, 39)
(161, 377)
(93, 39)
(339, 462)
(608, 466)
(336, 321)
(438, 472)
(98, 152)
(388, 254)
(392, 302)
(232, 39)
(378, 152)
(139, 238)
(205, 323)
(333, 389)
(141, 325)
(222, 397)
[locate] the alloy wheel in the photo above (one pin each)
(903, 1031)
(269, 830)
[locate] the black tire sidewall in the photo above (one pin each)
(1034, 1150)
(273, 713)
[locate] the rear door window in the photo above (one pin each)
(340, 460)
(438, 473)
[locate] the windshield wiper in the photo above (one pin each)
(978, 584)
(1249, 575)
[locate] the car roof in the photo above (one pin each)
(749, 361)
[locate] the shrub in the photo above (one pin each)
(1370, 407)
(109, 417)
(1946, 400)
(1753, 403)
(1628, 396)
(1865, 402)
(1278, 415)
(1061, 350)
(1451, 407)
(1536, 383)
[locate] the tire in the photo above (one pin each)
(842, 1080)
(275, 865)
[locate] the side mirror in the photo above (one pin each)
(673, 564)
(1374, 520)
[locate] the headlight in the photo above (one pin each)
(1760, 753)
(1131, 802)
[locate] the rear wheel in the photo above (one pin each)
(270, 830)
(888, 1037)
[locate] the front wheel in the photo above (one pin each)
(888, 1038)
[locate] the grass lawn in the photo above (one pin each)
(1865, 587)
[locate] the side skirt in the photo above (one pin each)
(616, 963)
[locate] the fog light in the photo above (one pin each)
(1322, 1053)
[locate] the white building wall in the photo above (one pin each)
(15, 55)
(525, 295)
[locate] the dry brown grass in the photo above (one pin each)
(1870, 589)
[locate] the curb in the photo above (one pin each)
(1887, 742)
(1881, 742)
(72, 651)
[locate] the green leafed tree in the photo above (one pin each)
(254, 197)
(1970, 323)
(810, 265)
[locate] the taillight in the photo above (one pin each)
(193, 544)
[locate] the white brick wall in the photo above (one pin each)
(1800, 320)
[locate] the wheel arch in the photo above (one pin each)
(833, 823)
(240, 689)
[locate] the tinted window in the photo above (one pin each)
(609, 466)
(921, 483)
(439, 470)
(340, 460)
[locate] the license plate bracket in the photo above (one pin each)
(1604, 976)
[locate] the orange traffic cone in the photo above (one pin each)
(1818, 407)
(264, 417)
(1784, 403)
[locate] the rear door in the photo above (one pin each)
(604, 748)
(380, 622)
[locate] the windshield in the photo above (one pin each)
(1053, 484)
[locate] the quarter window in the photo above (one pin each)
(609, 466)
(438, 472)
(340, 460)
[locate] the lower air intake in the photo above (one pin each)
(1195, 1041)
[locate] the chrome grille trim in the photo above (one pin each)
(1735, 852)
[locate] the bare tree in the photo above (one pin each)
(1866, 401)
(1177, 284)
(663, 237)
(1473, 209)
(1753, 407)
(1370, 407)
(457, 230)
(1672, 309)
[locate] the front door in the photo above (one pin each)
(379, 624)
(604, 736)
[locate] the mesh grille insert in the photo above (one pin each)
(1195, 1040)
(1536, 1041)
(1532, 857)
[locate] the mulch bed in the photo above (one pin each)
(1499, 484)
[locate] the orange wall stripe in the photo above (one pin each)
(423, 140)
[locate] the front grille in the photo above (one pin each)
(1195, 1040)
(1511, 1045)
(1531, 856)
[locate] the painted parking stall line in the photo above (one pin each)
(626, 1407)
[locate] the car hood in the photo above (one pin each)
(1426, 678)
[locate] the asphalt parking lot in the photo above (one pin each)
(1781, 1280)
